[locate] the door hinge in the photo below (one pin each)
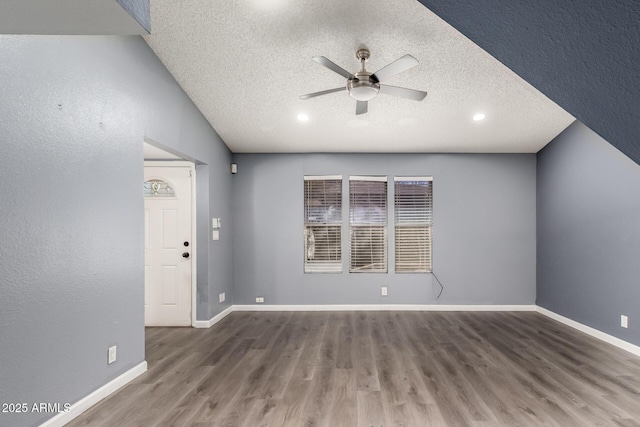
(190, 173)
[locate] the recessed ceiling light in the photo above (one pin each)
(479, 117)
(303, 117)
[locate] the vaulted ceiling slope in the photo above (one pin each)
(582, 54)
(246, 63)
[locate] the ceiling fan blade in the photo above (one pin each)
(362, 107)
(323, 92)
(396, 67)
(332, 66)
(403, 92)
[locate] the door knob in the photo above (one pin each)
(185, 255)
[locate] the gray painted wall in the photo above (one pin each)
(589, 232)
(484, 230)
(75, 111)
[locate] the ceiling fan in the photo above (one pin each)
(364, 85)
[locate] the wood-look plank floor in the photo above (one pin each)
(377, 369)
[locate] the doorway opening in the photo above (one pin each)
(170, 284)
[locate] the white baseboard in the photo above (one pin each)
(358, 307)
(215, 319)
(383, 307)
(631, 348)
(91, 399)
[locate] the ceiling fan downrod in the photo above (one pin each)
(363, 86)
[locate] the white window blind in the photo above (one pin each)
(368, 224)
(413, 223)
(322, 224)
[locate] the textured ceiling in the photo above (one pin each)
(245, 63)
(583, 54)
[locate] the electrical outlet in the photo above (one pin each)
(383, 291)
(221, 297)
(259, 299)
(624, 321)
(111, 356)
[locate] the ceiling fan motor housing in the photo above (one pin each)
(363, 86)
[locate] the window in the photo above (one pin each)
(158, 188)
(368, 224)
(322, 224)
(413, 221)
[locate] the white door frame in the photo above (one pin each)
(194, 269)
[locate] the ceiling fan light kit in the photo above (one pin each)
(363, 85)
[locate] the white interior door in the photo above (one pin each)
(168, 245)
